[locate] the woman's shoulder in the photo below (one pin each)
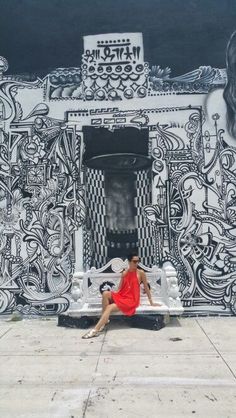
(140, 272)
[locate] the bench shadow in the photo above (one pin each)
(121, 323)
(117, 322)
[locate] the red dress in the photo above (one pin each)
(127, 298)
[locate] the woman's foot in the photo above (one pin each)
(91, 334)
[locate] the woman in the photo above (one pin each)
(126, 299)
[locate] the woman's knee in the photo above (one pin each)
(106, 294)
(110, 308)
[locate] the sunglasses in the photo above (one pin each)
(135, 261)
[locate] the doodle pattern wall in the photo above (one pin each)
(115, 155)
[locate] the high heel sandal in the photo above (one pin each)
(90, 334)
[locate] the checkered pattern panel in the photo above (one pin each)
(95, 196)
(143, 198)
(86, 249)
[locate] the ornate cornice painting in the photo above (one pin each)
(117, 133)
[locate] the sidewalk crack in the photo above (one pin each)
(90, 391)
(5, 332)
(218, 352)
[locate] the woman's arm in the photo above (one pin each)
(146, 287)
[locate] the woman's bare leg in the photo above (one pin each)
(106, 299)
(106, 315)
(94, 332)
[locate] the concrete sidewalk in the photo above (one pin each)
(187, 369)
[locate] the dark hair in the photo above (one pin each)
(131, 255)
(106, 286)
(230, 88)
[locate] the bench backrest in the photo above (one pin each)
(94, 281)
(86, 287)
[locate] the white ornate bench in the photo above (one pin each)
(86, 299)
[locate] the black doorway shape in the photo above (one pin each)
(121, 228)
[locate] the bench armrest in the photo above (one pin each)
(170, 288)
(78, 292)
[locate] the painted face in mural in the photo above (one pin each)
(230, 88)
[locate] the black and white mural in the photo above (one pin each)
(112, 155)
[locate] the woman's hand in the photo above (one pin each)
(155, 304)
